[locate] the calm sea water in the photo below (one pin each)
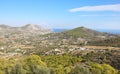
(59, 30)
(111, 31)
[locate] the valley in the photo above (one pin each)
(63, 51)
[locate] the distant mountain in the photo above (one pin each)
(86, 33)
(79, 35)
(29, 28)
(4, 27)
(83, 32)
(32, 27)
(36, 28)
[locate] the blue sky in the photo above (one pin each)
(95, 14)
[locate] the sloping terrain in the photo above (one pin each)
(107, 42)
(26, 30)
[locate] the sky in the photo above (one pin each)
(66, 14)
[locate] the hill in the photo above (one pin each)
(27, 29)
(82, 33)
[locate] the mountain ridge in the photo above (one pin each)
(29, 28)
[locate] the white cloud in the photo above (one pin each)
(99, 15)
(114, 7)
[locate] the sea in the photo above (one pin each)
(110, 31)
(59, 30)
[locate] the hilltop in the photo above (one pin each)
(82, 33)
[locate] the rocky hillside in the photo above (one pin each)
(27, 29)
(82, 33)
(85, 33)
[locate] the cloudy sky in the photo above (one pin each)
(95, 14)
